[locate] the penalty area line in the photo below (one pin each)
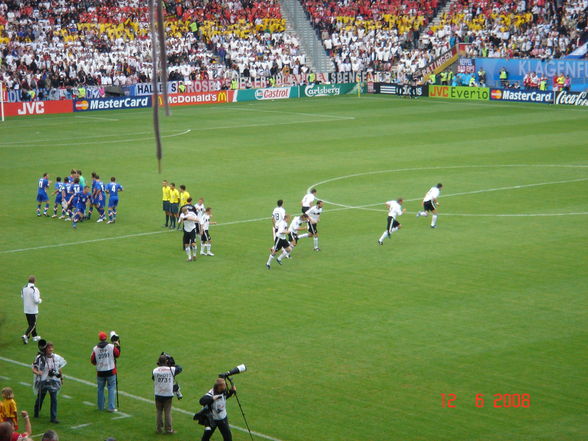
(125, 236)
(136, 397)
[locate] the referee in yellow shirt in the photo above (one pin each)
(184, 195)
(165, 198)
(174, 204)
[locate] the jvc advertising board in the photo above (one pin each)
(460, 92)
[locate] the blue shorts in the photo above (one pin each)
(42, 197)
(112, 202)
(99, 202)
(81, 208)
(58, 200)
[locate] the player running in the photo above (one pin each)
(205, 238)
(395, 210)
(297, 225)
(314, 215)
(42, 197)
(308, 200)
(113, 188)
(430, 204)
(58, 193)
(278, 215)
(280, 243)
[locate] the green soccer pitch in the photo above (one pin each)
(355, 342)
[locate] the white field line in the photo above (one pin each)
(99, 118)
(320, 115)
(79, 426)
(87, 403)
(514, 187)
(342, 207)
(185, 132)
(136, 397)
(114, 141)
(121, 415)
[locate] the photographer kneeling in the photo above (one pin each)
(216, 401)
(164, 378)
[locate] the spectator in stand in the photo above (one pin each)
(8, 433)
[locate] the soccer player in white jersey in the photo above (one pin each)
(430, 204)
(205, 238)
(308, 200)
(314, 215)
(395, 210)
(278, 215)
(188, 220)
(200, 209)
(297, 225)
(280, 243)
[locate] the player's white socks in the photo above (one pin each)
(194, 250)
(284, 254)
(434, 220)
(315, 239)
(423, 213)
(384, 236)
(302, 236)
(269, 261)
(393, 230)
(188, 252)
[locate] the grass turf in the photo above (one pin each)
(355, 342)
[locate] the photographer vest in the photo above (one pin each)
(218, 407)
(104, 357)
(163, 381)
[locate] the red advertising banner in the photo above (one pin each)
(192, 99)
(38, 107)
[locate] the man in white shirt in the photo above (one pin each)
(395, 210)
(280, 243)
(205, 238)
(295, 226)
(314, 214)
(430, 204)
(278, 215)
(189, 219)
(31, 297)
(163, 381)
(308, 200)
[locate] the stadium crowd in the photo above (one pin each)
(49, 48)
(387, 35)
(61, 44)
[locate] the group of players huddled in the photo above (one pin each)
(286, 235)
(194, 220)
(73, 197)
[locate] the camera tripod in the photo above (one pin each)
(241, 408)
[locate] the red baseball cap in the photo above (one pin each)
(102, 335)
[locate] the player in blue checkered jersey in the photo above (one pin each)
(42, 197)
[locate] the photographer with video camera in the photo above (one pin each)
(164, 376)
(104, 357)
(216, 402)
(48, 377)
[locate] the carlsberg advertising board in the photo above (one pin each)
(328, 90)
